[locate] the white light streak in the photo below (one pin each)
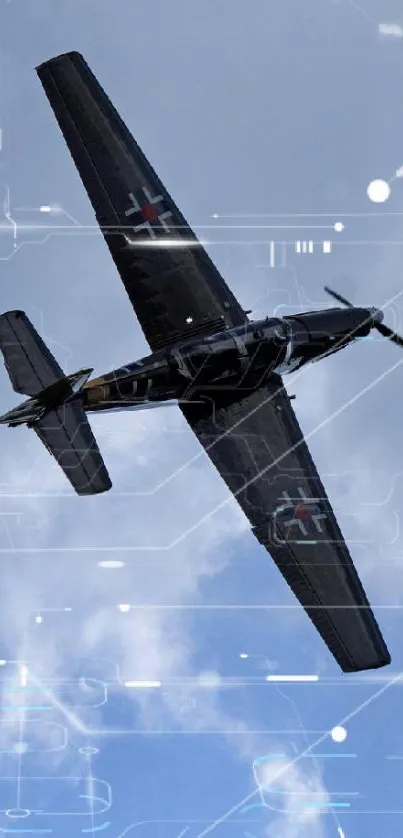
(143, 684)
(296, 678)
(160, 242)
(23, 675)
(111, 564)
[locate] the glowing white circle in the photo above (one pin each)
(378, 191)
(339, 734)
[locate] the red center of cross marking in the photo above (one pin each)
(302, 511)
(149, 212)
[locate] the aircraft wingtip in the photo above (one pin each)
(73, 55)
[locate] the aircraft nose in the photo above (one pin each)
(376, 314)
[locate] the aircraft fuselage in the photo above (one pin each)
(242, 358)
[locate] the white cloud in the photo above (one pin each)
(391, 29)
(145, 644)
(291, 792)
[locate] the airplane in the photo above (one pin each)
(222, 369)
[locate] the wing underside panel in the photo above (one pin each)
(258, 448)
(175, 289)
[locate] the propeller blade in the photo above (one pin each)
(338, 297)
(388, 333)
(382, 329)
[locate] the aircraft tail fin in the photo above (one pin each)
(55, 409)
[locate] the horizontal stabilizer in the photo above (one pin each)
(55, 410)
(67, 435)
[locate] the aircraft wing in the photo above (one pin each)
(174, 287)
(258, 447)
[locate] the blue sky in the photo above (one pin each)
(287, 111)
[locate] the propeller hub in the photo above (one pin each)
(376, 314)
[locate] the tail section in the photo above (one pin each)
(29, 363)
(66, 433)
(54, 411)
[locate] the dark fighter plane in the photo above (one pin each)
(223, 370)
